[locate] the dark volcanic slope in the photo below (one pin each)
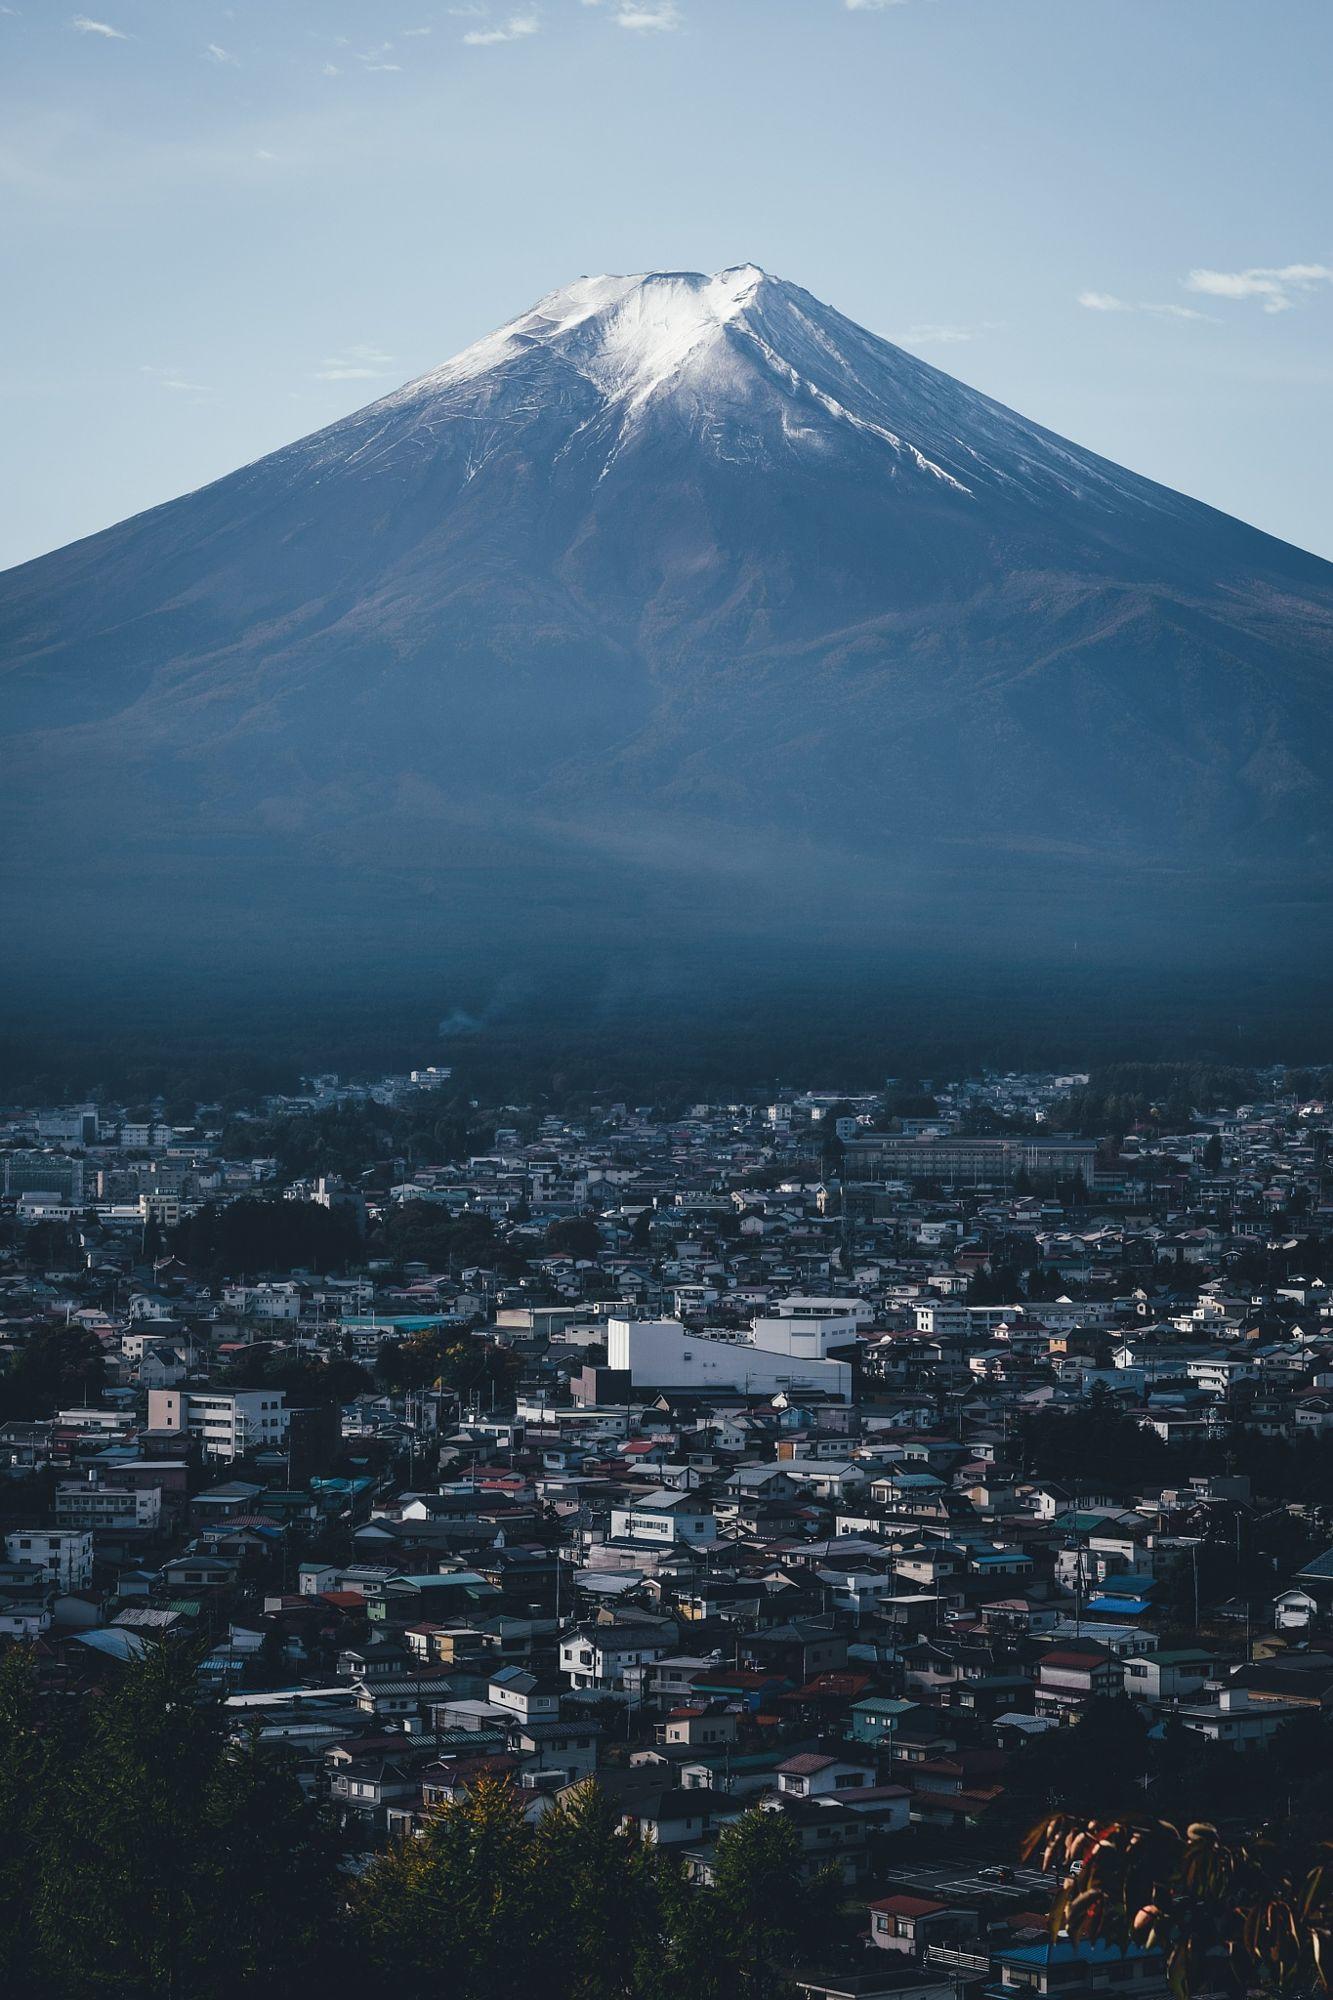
(675, 579)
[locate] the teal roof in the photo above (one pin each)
(440, 1579)
(408, 1323)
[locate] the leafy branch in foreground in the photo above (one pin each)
(1245, 1914)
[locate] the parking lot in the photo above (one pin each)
(946, 1882)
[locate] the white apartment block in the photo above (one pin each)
(663, 1518)
(80, 1503)
(66, 1554)
(264, 1301)
(228, 1422)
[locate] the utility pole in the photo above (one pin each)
(1194, 1563)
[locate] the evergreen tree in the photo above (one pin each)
(597, 1909)
(449, 1913)
(764, 1914)
(117, 1861)
(265, 1907)
(22, 1783)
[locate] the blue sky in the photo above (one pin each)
(225, 225)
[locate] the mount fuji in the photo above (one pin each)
(683, 602)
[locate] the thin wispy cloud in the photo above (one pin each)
(377, 59)
(83, 25)
(1277, 288)
(650, 20)
(871, 6)
(516, 29)
(356, 364)
(174, 380)
(1107, 302)
(944, 336)
(215, 53)
(642, 16)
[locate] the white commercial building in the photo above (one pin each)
(810, 1328)
(663, 1354)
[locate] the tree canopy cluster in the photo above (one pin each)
(263, 1234)
(1124, 1094)
(344, 1138)
(574, 1908)
(145, 1855)
(55, 1368)
(1102, 1440)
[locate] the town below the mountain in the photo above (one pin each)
(868, 1473)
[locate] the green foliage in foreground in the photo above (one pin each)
(575, 1909)
(144, 1855)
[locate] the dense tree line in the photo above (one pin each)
(56, 1367)
(260, 1234)
(425, 1232)
(1114, 1761)
(1097, 1439)
(346, 1138)
(443, 1356)
(145, 1855)
(1102, 1440)
(1167, 1095)
(576, 1909)
(305, 1383)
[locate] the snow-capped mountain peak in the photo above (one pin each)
(627, 335)
(752, 369)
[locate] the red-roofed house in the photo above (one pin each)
(907, 1924)
(1068, 1677)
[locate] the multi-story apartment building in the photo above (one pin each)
(82, 1503)
(66, 1554)
(227, 1422)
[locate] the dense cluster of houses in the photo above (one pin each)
(741, 1516)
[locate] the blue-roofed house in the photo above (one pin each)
(1317, 1578)
(1067, 1968)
